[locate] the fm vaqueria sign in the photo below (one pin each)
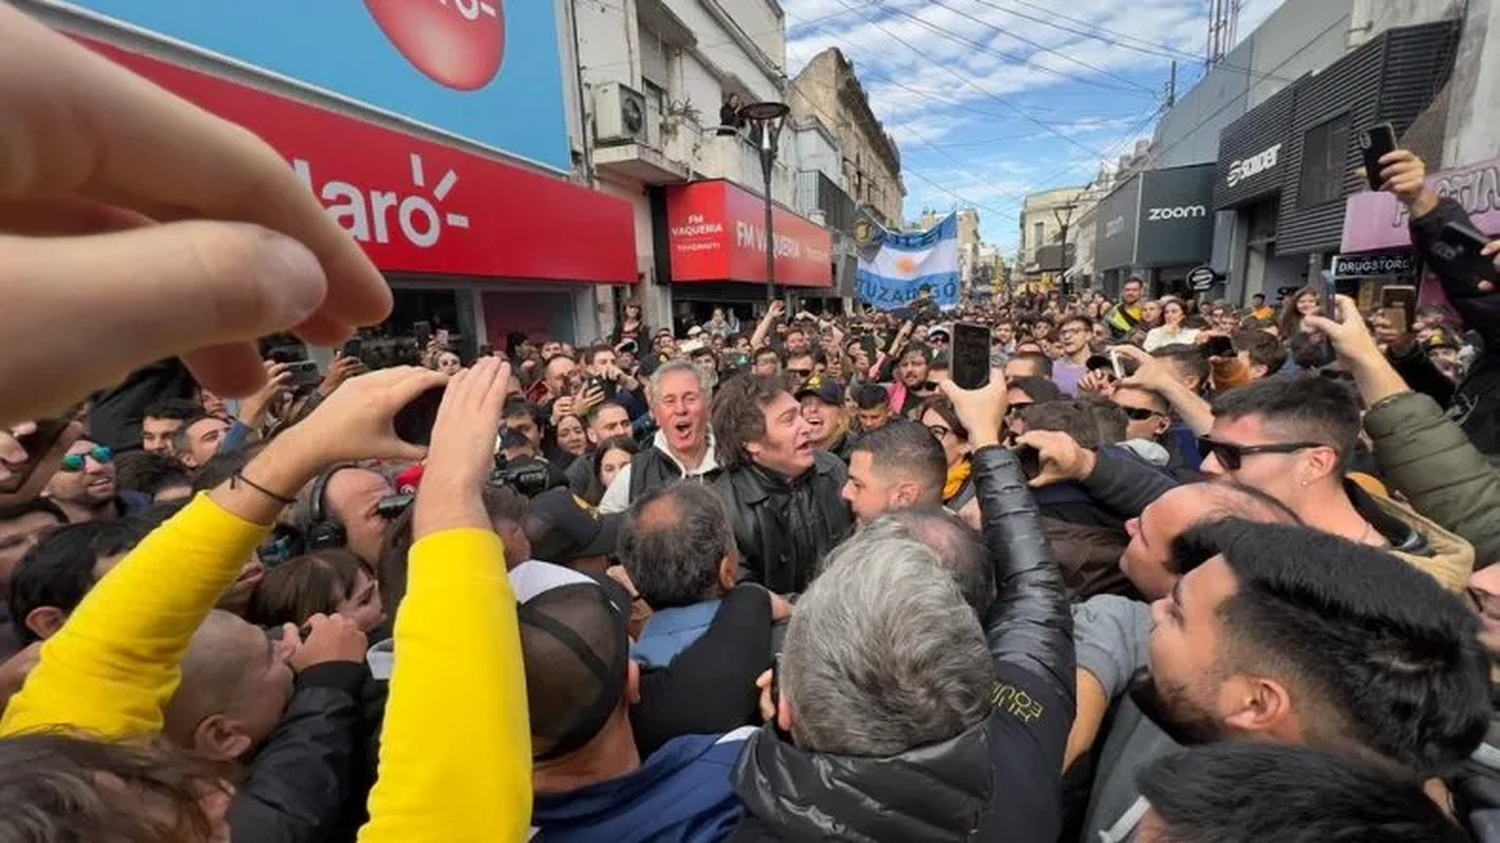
(486, 71)
(417, 206)
(716, 231)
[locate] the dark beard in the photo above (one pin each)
(1170, 709)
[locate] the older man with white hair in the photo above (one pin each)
(907, 720)
(680, 394)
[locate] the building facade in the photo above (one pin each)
(1288, 167)
(1239, 113)
(468, 216)
(652, 108)
(828, 89)
(1050, 227)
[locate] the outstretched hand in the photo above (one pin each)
(1150, 372)
(462, 454)
(981, 410)
(1348, 334)
(1061, 457)
(355, 422)
(143, 198)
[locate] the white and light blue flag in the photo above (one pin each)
(900, 265)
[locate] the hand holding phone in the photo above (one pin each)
(1462, 247)
(1328, 301)
(413, 423)
(1375, 143)
(971, 355)
(305, 373)
(1398, 303)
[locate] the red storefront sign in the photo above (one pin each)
(418, 206)
(716, 231)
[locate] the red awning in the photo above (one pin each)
(418, 206)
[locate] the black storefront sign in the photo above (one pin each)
(1252, 159)
(1176, 216)
(1157, 218)
(1115, 226)
(1373, 264)
(1202, 278)
(1392, 78)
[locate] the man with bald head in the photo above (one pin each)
(284, 708)
(1110, 632)
(1151, 560)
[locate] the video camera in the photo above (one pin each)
(528, 477)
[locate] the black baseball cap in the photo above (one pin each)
(564, 528)
(575, 647)
(828, 390)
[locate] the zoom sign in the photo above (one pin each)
(1181, 212)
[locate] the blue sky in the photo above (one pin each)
(992, 99)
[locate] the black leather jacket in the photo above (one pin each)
(1000, 779)
(785, 528)
(298, 785)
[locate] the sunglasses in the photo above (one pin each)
(1232, 456)
(76, 462)
(801, 373)
(1139, 413)
(1017, 406)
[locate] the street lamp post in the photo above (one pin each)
(768, 117)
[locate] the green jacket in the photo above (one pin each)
(1431, 461)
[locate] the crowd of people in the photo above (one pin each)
(1180, 571)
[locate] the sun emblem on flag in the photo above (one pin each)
(907, 266)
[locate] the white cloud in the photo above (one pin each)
(976, 69)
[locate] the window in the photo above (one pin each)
(656, 104)
(1325, 155)
(1038, 235)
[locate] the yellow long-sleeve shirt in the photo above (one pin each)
(115, 664)
(455, 759)
(455, 753)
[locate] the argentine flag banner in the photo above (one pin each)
(898, 266)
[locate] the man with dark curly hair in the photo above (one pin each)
(782, 494)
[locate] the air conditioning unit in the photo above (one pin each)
(619, 115)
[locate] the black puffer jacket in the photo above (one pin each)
(784, 528)
(299, 783)
(999, 780)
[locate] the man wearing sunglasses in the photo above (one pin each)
(1293, 439)
(84, 485)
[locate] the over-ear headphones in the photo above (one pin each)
(323, 532)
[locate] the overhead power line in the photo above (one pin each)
(1119, 39)
(1044, 48)
(1021, 112)
(1130, 85)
